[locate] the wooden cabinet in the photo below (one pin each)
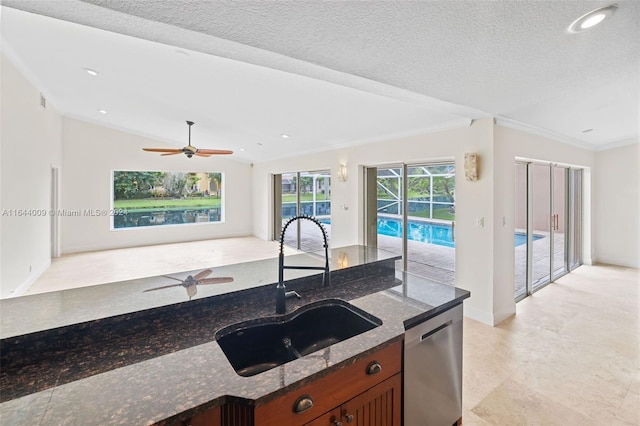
(367, 392)
(378, 406)
(208, 418)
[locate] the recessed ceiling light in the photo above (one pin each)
(591, 19)
(242, 149)
(285, 136)
(102, 111)
(91, 72)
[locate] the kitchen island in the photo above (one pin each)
(133, 357)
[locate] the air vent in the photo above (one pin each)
(43, 101)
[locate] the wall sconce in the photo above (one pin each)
(471, 160)
(342, 172)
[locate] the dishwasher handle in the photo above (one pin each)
(423, 331)
(435, 330)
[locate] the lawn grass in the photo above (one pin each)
(166, 203)
(441, 213)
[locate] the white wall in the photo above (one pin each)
(31, 145)
(484, 255)
(617, 210)
(91, 153)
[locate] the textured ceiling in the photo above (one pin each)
(355, 71)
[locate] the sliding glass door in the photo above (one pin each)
(541, 224)
(411, 212)
(389, 211)
(559, 210)
(547, 224)
(521, 230)
(302, 193)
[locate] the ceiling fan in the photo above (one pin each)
(192, 281)
(189, 150)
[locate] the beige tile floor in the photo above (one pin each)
(99, 267)
(570, 356)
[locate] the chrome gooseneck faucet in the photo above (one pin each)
(281, 294)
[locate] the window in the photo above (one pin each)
(161, 198)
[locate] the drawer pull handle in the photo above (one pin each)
(349, 418)
(337, 423)
(302, 404)
(374, 368)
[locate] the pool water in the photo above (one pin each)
(423, 232)
(522, 238)
(426, 232)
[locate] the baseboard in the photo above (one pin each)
(31, 278)
(501, 316)
(627, 263)
(478, 315)
(486, 317)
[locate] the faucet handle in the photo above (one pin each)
(290, 294)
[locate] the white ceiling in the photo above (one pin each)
(330, 73)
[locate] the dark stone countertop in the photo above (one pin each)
(155, 361)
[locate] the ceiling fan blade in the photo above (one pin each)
(176, 150)
(177, 279)
(214, 151)
(217, 280)
(202, 155)
(172, 153)
(164, 286)
(202, 274)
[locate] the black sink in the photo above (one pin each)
(261, 344)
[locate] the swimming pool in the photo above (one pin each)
(427, 232)
(424, 232)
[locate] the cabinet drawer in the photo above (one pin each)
(330, 391)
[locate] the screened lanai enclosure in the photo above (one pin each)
(430, 192)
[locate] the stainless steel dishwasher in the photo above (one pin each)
(433, 371)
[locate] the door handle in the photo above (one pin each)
(453, 231)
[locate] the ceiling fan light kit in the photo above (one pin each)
(189, 150)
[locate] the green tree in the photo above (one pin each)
(306, 184)
(419, 186)
(387, 186)
(127, 185)
(175, 183)
(192, 180)
(445, 186)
